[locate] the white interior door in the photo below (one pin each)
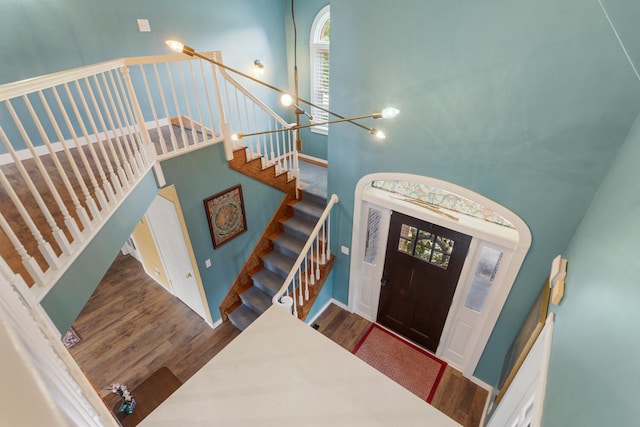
(167, 233)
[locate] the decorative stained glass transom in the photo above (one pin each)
(440, 198)
(425, 246)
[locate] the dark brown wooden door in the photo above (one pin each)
(421, 271)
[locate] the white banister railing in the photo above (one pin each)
(74, 144)
(42, 369)
(306, 271)
(246, 114)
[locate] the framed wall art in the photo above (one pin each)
(225, 214)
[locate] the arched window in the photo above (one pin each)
(319, 46)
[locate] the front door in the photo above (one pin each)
(421, 271)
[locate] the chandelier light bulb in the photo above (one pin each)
(390, 112)
(377, 133)
(286, 100)
(175, 45)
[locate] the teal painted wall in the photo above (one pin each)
(43, 37)
(46, 36)
(323, 298)
(313, 144)
(202, 174)
(593, 373)
(525, 102)
(65, 301)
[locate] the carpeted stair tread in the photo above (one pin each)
(309, 210)
(289, 244)
(267, 281)
(256, 299)
(279, 263)
(314, 197)
(242, 317)
(300, 227)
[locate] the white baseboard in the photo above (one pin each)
(315, 160)
(324, 307)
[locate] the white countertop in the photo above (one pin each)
(281, 372)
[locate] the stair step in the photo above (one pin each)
(314, 198)
(299, 227)
(256, 299)
(242, 317)
(289, 244)
(279, 263)
(268, 281)
(308, 210)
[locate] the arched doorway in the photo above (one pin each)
(499, 243)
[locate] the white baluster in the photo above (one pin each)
(97, 190)
(185, 141)
(28, 261)
(313, 259)
(137, 119)
(174, 141)
(198, 105)
(163, 143)
(136, 130)
(300, 286)
(58, 234)
(306, 277)
(126, 172)
(115, 179)
(187, 102)
(98, 165)
(90, 202)
(123, 124)
(208, 98)
(328, 232)
(43, 245)
(318, 256)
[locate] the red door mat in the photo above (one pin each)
(408, 365)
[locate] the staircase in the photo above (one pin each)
(278, 262)
(275, 255)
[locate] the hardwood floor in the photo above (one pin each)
(456, 396)
(131, 326)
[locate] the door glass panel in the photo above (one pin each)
(425, 246)
(488, 264)
(406, 246)
(408, 232)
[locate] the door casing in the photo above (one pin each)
(364, 279)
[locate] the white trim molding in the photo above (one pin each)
(460, 349)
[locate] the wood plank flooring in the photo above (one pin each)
(456, 396)
(131, 326)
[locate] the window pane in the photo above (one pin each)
(326, 30)
(439, 259)
(485, 273)
(444, 245)
(408, 232)
(422, 251)
(405, 246)
(373, 233)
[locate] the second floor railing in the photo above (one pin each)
(73, 145)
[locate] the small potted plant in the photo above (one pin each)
(128, 401)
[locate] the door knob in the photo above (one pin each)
(384, 282)
(188, 275)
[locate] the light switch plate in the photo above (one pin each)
(143, 25)
(344, 250)
(207, 263)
